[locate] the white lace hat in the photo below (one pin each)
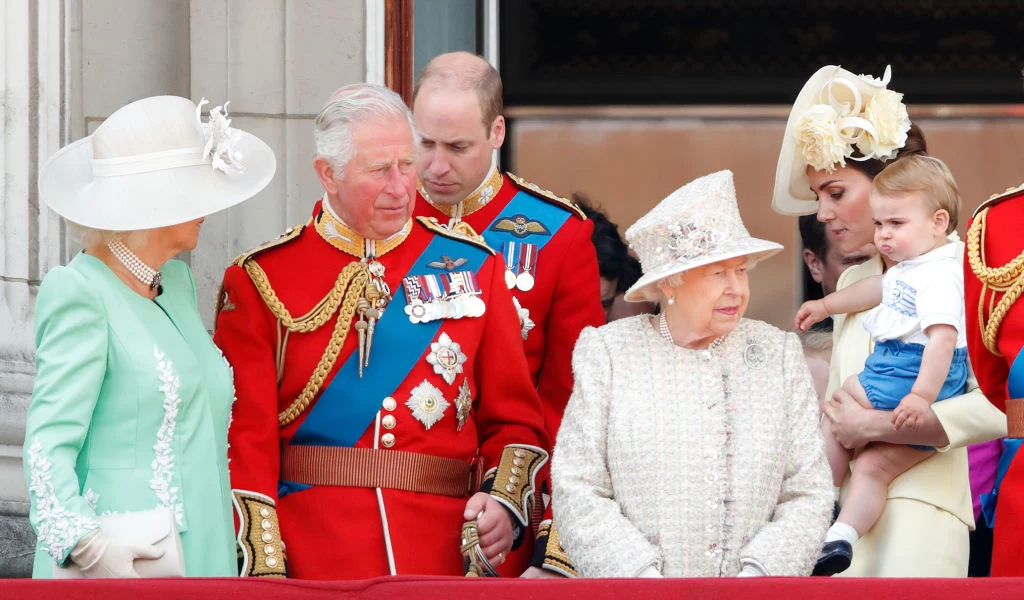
(837, 116)
(696, 225)
(153, 163)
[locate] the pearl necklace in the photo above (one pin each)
(134, 264)
(710, 351)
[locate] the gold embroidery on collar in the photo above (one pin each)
(473, 202)
(342, 237)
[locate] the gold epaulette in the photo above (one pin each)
(289, 234)
(550, 196)
(997, 198)
(432, 224)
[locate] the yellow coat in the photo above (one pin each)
(923, 530)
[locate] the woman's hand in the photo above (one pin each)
(911, 411)
(847, 417)
(100, 558)
(493, 524)
(809, 313)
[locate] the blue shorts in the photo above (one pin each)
(891, 370)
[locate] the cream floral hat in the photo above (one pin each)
(696, 225)
(837, 116)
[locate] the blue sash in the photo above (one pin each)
(524, 203)
(1015, 389)
(350, 403)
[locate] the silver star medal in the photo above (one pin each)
(446, 357)
(525, 323)
(427, 404)
(755, 354)
(463, 404)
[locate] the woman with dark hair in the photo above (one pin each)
(619, 269)
(842, 131)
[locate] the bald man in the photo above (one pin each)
(551, 265)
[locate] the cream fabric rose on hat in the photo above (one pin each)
(819, 140)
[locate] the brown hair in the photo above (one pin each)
(915, 145)
(464, 71)
(925, 174)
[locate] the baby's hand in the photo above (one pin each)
(911, 412)
(810, 312)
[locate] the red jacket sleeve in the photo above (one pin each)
(245, 332)
(576, 304)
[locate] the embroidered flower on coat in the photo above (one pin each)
(163, 462)
(57, 528)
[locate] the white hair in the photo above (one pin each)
(347, 106)
(89, 237)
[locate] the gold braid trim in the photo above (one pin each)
(1009, 279)
(320, 314)
(347, 290)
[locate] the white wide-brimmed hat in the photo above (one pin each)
(153, 163)
(696, 225)
(837, 116)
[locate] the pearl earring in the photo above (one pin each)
(671, 300)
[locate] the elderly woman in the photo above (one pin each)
(690, 446)
(126, 441)
(842, 131)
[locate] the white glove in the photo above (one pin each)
(100, 558)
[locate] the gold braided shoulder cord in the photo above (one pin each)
(347, 290)
(1009, 279)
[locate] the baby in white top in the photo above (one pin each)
(917, 322)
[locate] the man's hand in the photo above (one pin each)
(910, 412)
(809, 313)
(493, 524)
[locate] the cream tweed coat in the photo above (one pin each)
(695, 464)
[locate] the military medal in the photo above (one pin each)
(443, 296)
(527, 263)
(463, 404)
(446, 357)
(427, 404)
(510, 250)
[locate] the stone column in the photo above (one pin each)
(31, 109)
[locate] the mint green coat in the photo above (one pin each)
(129, 412)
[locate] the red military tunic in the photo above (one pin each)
(996, 245)
(565, 296)
(333, 532)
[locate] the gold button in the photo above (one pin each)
(269, 550)
(517, 471)
(519, 452)
(387, 440)
(510, 488)
(266, 524)
(517, 462)
(389, 403)
(271, 561)
(388, 421)
(267, 537)
(513, 479)
(264, 512)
